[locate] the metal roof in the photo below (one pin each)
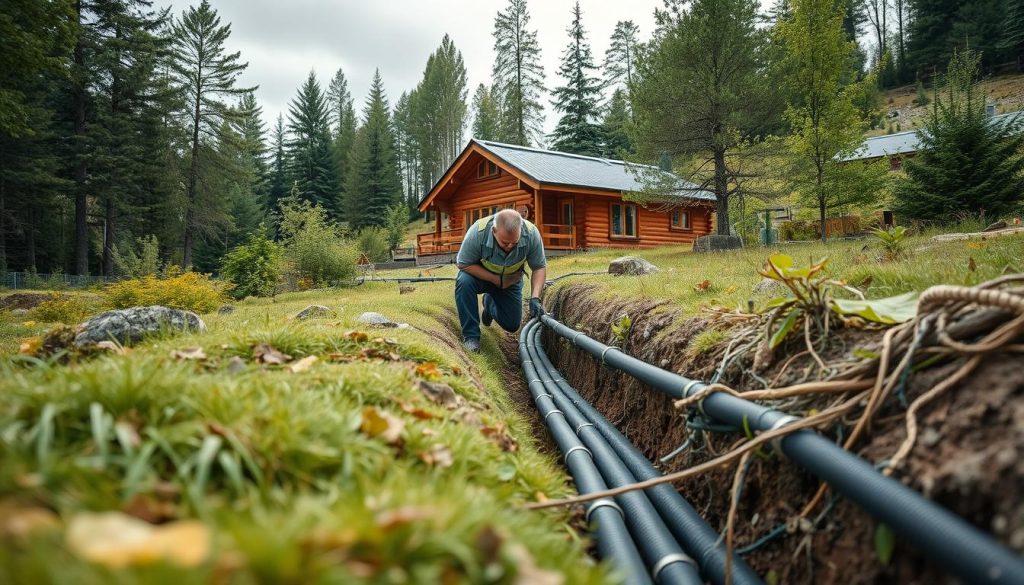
(904, 142)
(560, 168)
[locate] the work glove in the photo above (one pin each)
(536, 308)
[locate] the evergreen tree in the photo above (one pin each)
(438, 112)
(620, 58)
(518, 75)
(407, 151)
(343, 121)
(278, 187)
(702, 93)
(1012, 40)
(205, 74)
(486, 117)
(578, 131)
(310, 156)
(824, 119)
(617, 125)
(374, 182)
(966, 163)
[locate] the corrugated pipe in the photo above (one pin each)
(604, 516)
(662, 554)
(696, 536)
(941, 535)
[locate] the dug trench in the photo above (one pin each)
(968, 456)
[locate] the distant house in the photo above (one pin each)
(903, 145)
(576, 201)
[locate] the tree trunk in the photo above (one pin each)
(821, 202)
(108, 237)
(3, 213)
(721, 192)
(30, 240)
(193, 179)
(81, 202)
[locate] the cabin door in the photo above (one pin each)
(565, 211)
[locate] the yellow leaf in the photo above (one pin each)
(30, 346)
(377, 423)
(357, 336)
(189, 353)
(302, 364)
(117, 540)
(428, 371)
(730, 290)
(29, 324)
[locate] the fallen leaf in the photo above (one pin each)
(377, 423)
(386, 341)
(341, 357)
(117, 540)
(150, 509)
(30, 346)
(456, 370)
(24, 522)
(540, 496)
(371, 353)
(391, 519)
(499, 434)
(189, 353)
(438, 393)
(303, 364)
(357, 336)
(730, 290)
(428, 433)
(266, 354)
(29, 324)
(439, 455)
(415, 411)
(971, 264)
(429, 371)
(702, 286)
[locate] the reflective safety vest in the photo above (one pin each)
(481, 225)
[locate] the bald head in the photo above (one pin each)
(508, 227)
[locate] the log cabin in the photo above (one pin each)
(576, 201)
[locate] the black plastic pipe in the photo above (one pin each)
(941, 535)
(696, 536)
(604, 516)
(663, 555)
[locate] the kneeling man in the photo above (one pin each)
(491, 263)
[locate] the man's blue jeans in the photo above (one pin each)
(504, 305)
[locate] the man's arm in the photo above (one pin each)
(482, 273)
(537, 278)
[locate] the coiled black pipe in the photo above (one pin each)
(604, 516)
(941, 535)
(696, 536)
(663, 555)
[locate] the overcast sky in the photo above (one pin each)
(282, 40)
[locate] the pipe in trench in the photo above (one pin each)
(604, 516)
(941, 535)
(697, 537)
(664, 556)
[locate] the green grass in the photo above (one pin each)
(275, 463)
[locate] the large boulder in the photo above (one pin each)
(716, 242)
(314, 311)
(127, 326)
(631, 266)
(375, 320)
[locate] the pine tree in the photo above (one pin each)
(407, 151)
(312, 167)
(620, 58)
(486, 117)
(205, 74)
(578, 131)
(437, 112)
(617, 125)
(343, 124)
(1012, 40)
(278, 187)
(966, 164)
(703, 94)
(518, 75)
(374, 183)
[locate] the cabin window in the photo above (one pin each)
(472, 215)
(680, 220)
(895, 163)
(623, 220)
(486, 169)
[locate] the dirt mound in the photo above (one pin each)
(23, 300)
(968, 456)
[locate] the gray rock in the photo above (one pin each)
(19, 312)
(999, 225)
(632, 266)
(376, 320)
(769, 286)
(314, 311)
(127, 326)
(716, 242)
(226, 310)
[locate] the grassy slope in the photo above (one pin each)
(274, 462)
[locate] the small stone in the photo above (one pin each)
(19, 312)
(127, 326)
(999, 225)
(717, 242)
(631, 266)
(768, 285)
(930, 437)
(663, 364)
(314, 311)
(236, 365)
(226, 310)
(404, 290)
(376, 320)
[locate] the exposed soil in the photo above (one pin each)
(968, 455)
(23, 300)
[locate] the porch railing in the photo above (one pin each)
(558, 237)
(446, 242)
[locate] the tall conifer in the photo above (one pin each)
(578, 130)
(518, 75)
(374, 182)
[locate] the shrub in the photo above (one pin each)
(314, 247)
(254, 267)
(190, 291)
(892, 241)
(373, 241)
(61, 309)
(133, 265)
(395, 222)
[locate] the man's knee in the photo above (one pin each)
(509, 319)
(465, 282)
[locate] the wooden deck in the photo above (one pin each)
(554, 236)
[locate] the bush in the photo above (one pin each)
(395, 222)
(190, 291)
(61, 309)
(314, 247)
(373, 241)
(133, 265)
(254, 267)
